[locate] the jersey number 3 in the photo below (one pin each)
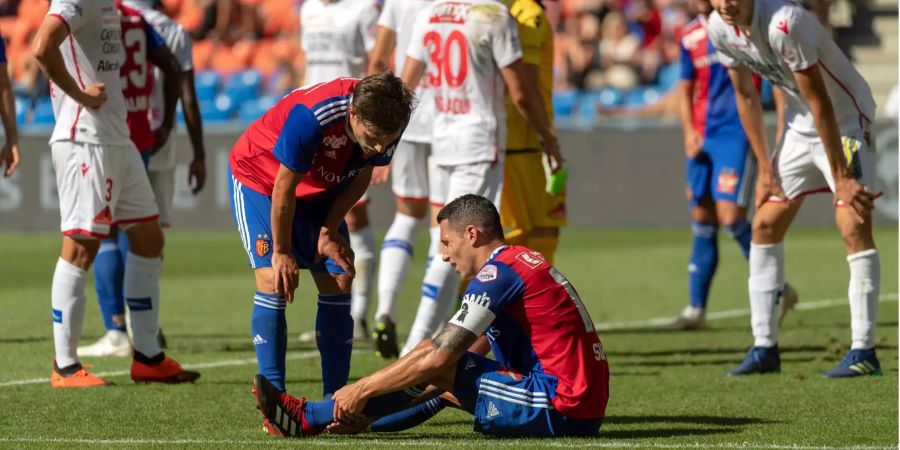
(138, 76)
(443, 54)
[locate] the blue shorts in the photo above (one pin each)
(252, 215)
(506, 403)
(724, 170)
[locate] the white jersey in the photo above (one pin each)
(464, 43)
(336, 37)
(784, 38)
(399, 16)
(180, 44)
(93, 53)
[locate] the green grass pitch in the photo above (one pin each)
(668, 389)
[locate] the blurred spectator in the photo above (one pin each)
(580, 46)
(648, 19)
(230, 21)
(9, 7)
(619, 53)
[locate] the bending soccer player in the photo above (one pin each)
(142, 45)
(720, 166)
(295, 172)
(336, 36)
(827, 146)
(550, 378)
(481, 53)
(408, 171)
(101, 182)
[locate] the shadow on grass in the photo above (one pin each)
(695, 420)
(668, 432)
(709, 362)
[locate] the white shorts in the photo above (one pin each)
(409, 171)
(448, 183)
(100, 186)
(801, 164)
(163, 184)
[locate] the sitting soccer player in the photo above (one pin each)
(295, 173)
(550, 379)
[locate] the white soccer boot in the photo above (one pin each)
(113, 343)
(691, 318)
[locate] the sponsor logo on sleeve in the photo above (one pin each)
(488, 273)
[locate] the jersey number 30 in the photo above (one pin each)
(442, 54)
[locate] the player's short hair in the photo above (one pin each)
(383, 101)
(471, 209)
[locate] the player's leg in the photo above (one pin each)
(334, 325)
(865, 268)
(362, 241)
(109, 271)
(410, 188)
(136, 213)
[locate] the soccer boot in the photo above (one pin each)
(856, 363)
(691, 318)
(80, 378)
(385, 336)
(113, 343)
(283, 413)
(307, 336)
(165, 371)
(789, 300)
(759, 360)
(360, 330)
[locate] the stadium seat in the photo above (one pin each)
(22, 108)
(668, 76)
(243, 86)
(587, 105)
(220, 110)
(207, 85)
(564, 102)
(609, 98)
(43, 113)
(641, 96)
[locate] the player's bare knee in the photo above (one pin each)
(412, 208)
(265, 280)
(146, 238)
(357, 218)
(704, 213)
(80, 252)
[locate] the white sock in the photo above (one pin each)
(67, 300)
(396, 256)
(142, 297)
(438, 289)
(766, 285)
(362, 242)
(865, 284)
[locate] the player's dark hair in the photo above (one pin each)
(383, 101)
(471, 209)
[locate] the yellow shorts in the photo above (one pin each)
(526, 205)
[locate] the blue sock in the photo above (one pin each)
(704, 259)
(269, 329)
(109, 275)
(319, 414)
(741, 231)
(334, 337)
(409, 417)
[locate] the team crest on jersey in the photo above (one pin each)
(728, 181)
(531, 259)
(488, 273)
(263, 245)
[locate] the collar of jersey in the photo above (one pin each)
(496, 252)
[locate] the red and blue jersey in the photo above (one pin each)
(139, 40)
(714, 105)
(538, 324)
(308, 132)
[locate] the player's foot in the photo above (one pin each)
(283, 413)
(307, 336)
(75, 377)
(160, 369)
(759, 360)
(360, 330)
(789, 300)
(113, 343)
(385, 336)
(691, 318)
(856, 363)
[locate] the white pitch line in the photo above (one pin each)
(729, 314)
(206, 365)
(598, 442)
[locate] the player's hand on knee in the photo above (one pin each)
(333, 245)
(854, 197)
(767, 186)
(287, 277)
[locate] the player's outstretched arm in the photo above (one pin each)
(385, 40)
(191, 108)
(750, 110)
(284, 266)
(692, 139)
(847, 189)
(528, 101)
(45, 46)
(164, 59)
(9, 154)
(331, 243)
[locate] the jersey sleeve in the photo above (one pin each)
(794, 33)
(299, 140)
(506, 46)
(494, 287)
(416, 49)
(75, 13)
(686, 63)
(531, 25)
(388, 17)
(368, 24)
(718, 40)
(154, 40)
